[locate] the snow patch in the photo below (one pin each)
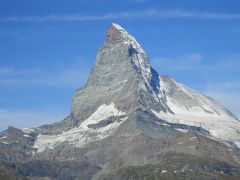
(103, 112)
(165, 124)
(225, 129)
(83, 135)
(192, 138)
(237, 144)
(4, 137)
(164, 171)
(181, 143)
(27, 130)
(6, 142)
(182, 130)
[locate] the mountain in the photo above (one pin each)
(9, 174)
(127, 122)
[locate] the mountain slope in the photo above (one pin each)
(9, 174)
(194, 109)
(127, 118)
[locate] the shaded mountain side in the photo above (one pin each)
(185, 156)
(56, 170)
(7, 173)
(194, 168)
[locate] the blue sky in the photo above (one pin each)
(48, 47)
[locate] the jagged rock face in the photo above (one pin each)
(114, 34)
(16, 145)
(122, 75)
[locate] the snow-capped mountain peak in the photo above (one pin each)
(123, 82)
(126, 115)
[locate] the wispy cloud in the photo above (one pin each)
(63, 78)
(22, 119)
(226, 86)
(195, 61)
(60, 77)
(138, 1)
(152, 13)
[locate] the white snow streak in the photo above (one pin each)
(27, 130)
(83, 135)
(194, 109)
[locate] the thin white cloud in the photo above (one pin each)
(5, 71)
(23, 119)
(139, 1)
(226, 86)
(152, 13)
(195, 61)
(61, 77)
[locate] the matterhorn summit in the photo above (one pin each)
(128, 121)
